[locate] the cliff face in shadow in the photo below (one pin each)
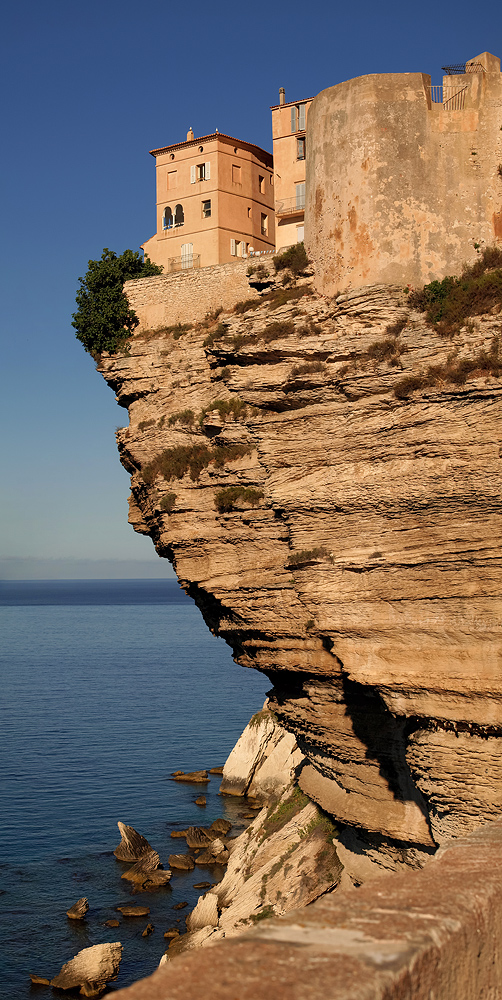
(343, 539)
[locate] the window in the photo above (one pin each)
(236, 174)
(206, 209)
(261, 183)
(264, 224)
(186, 255)
(298, 118)
(300, 195)
(238, 248)
(172, 179)
(167, 218)
(179, 216)
(300, 149)
(299, 234)
(249, 213)
(200, 172)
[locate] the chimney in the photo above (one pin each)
(190, 134)
(282, 95)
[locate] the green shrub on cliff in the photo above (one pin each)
(448, 303)
(104, 320)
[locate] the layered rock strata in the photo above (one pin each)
(343, 539)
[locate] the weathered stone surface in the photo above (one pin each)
(79, 909)
(366, 580)
(147, 866)
(205, 914)
(184, 862)
(132, 846)
(263, 759)
(91, 969)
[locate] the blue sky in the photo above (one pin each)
(88, 89)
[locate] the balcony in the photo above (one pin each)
(290, 206)
(185, 263)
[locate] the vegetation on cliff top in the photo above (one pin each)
(104, 320)
(448, 303)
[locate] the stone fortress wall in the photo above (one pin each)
(187, 296)
(399, 188)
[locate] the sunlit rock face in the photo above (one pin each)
(356, 558)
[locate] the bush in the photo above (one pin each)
(448, 303)
(174, 463)
(308, 556)
(104, 320)
(167, 503)
(225, 500)
(226, 407)
(294, 259)
(455, 371)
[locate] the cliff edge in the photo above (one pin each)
(339, 529)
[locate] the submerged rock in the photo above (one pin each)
(39, 980)
(197, 776)
(91, 969)
(134, 911)
(111, 923)
(200, 801)
(149, 929)
(79, 909)
(133, 846)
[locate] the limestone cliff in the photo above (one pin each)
(341, 537)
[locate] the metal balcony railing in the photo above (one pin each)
(182, 263)
(451, 98)
(290, 206)
(458, 69)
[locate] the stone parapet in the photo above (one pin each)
(433, 933)
(187, 296)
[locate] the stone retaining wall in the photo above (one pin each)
(187, 296)
(433, 934)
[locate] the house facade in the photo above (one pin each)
(215, 202)
(289, 132)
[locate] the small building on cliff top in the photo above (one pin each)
(289, 132)
(404, 179)
(215, 200)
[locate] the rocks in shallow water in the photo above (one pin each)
(172, 932)
(221, 826)
(111, 923)
(180, 906)
(202, 885)
(91, 969)
(200, 801)
(198, 836)
(197, 776)
(216, 770)
(215, 854)
(39, 980)
(79, 909)
(179, 833)
(133, 911)
(183, 862)
(147, 872)
(133, 846)
(149, 929)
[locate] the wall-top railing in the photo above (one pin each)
(290, 206)
(458, 69)
(451, 98)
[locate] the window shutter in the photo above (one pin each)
(293, 119)
(207, 170)
(192, 175)
(233, 248)
(301, 116)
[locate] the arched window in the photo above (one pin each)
(179, 215)
(167, 218)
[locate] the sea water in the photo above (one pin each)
(107, 687)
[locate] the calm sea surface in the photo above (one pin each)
(107, 687)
